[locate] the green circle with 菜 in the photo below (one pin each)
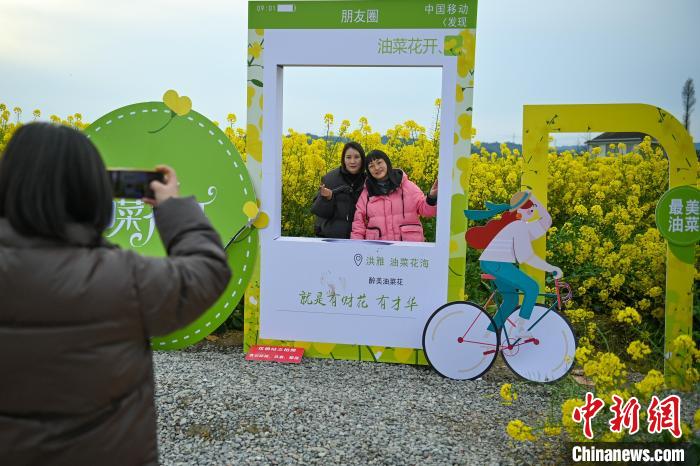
(208, 166)
(677, 214)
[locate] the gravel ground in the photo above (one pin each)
(216, 408)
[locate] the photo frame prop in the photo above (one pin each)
(321, 295)
(209, 167)
(541, 120)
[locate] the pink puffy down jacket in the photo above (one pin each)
(392, 217)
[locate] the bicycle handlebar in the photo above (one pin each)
(562, 286)
(563, 290)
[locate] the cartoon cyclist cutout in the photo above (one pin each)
(506, 242)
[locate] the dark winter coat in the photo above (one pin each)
(334, 217)
(75, 319)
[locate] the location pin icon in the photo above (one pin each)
(358, 259)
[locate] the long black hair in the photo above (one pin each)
(356, 180)
(352, 145)
(393, 181)
(50, 176)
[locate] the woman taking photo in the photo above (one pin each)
(76, 313)
(391, 205)
(334, 205)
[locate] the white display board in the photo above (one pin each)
(351, 291)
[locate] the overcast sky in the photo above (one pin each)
(92, 56)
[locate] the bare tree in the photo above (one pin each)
(688, 101)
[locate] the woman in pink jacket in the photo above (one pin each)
(391, 205)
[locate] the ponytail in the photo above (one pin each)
(479, 237)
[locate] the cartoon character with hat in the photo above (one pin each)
(507, 241)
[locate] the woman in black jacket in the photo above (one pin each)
(334, 205)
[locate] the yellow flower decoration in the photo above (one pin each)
(253, 143)
(303, 344)
(403, 354)
(180, 105)
(323, 348)
(251, 94)
(465, 125)
(450, 43)
(256, 217)
(255, 49)
(465, 60)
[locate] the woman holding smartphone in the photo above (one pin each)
(76, 313)
(334, 205)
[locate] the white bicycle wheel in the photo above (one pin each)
(457, 342)
(541, 348)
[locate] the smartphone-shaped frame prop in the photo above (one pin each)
(362, 300)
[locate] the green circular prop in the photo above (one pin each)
(208, 166)
(677, 214)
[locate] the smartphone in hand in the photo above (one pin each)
(133, 184)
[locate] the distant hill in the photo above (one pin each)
(313, 137)
(496, 147)
(489, 146)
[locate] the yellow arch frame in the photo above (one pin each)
(541, 120)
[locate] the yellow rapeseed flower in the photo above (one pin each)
(582, 354)
(638, 350)
(652, 383)
(580, 210)
(567, 421)
(611, 437)
(606, 370)
(520, 431)
(508, 393)
(628, 315)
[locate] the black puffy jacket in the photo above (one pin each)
(334, 217)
